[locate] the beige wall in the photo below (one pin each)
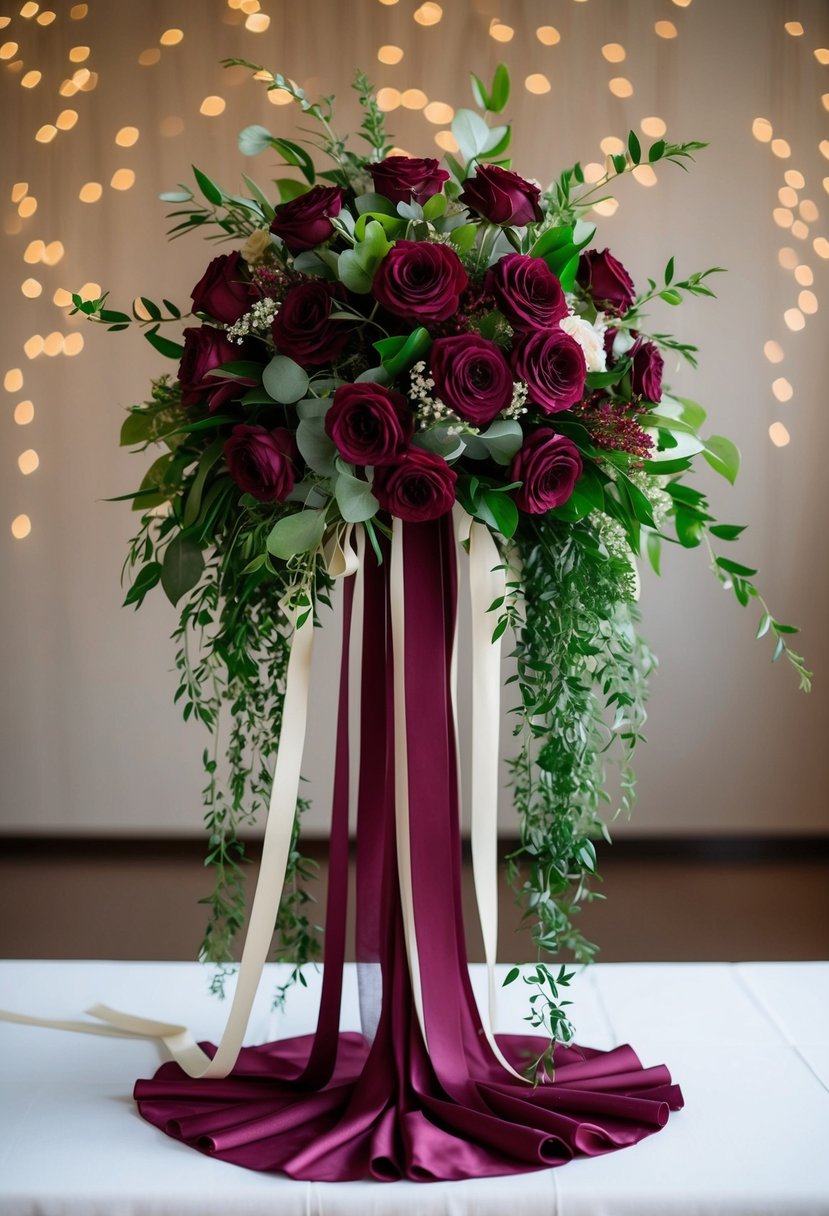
(90, 741)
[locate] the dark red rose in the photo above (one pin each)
(472, 376)
(646, 370)
(303, 329)
(206, 348)
(548, 465)
(420, 281)
(419, 487)
(552, 364)
(606, 281)
(305, 221)
(369, 424)
(404, 179)
(526, 292)
(262, 462)
(501, 197)
(224, 292)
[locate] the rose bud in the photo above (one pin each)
(305, 221)
(646, 370)
(552, 365)
(501, 197)
(472, 376)
(262, 462)
(420, 281)
(606, 281)
(419, 487)
(224, 292)
(206, 348)
(369, 424)
(406, 179)
(548, 465)
(303, 329)
(526, 292)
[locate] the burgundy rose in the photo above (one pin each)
(369, 424)
(472, 376)
(305, 221)
(419, 487)
(404, 179)
(501, 197)
(262, 462)
(420, 281)
(224, 292)
(548, 465)
(303, 329)
(206, 348)
(527, 292)
(552, 364)
(646, 370)
(606, 281)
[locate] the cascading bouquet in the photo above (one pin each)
(390, 338)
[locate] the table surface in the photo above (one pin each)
(749, 1043)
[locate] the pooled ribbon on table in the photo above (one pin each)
(343, 556)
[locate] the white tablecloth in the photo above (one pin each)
(749, 1043)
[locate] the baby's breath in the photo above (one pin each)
(257, 321)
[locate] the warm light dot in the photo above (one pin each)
(761, 129)
(428, 14)
(653, 126)
(46, 18)
(390, 54)
(388, 99)
(821, 246)
(611, 145)
(12, 225)
(804, 276)
(782, 390)
(800, 230)
(126, 137)
(593, 171)
(501, 32)
(548, 35)
(123, 179)
(173, 125)
(149, 57)
(537, 83)
(787, 196)
(279, 97)
(682, 3)
(808, 211)
(13, 380)
(807, 302)
(257, 23)
(794, 319)
(787, 258)
(413, 99)
(16, 66)
(33, 252)
(212, 106)
(29, 9)
(822, 55)
(28, 461)
(62, 298)
(68, 88)
(139, 308)
(79, 53)
(53, 344)
(78, 11)
(89, 291)
(90, 192)
(780, 148)
(52, 253)
(620, 86)
(782, 217)
(447, 141)
(250, 6)
(665, 29)
(33, 346)
(24, 412)
(171, 37)
(46, 133)
(4, 21)
(826, 184)
(66, 120)
(438, 112)
(26, 207)
(21, 527)
(395, 151)
(779, 435)
(794, 28)
(8, 50)
(30, 80)
(31, 288)
(389, 3)
(773, 351)
(89, 81)
(645, 175)
(607, 207)
(793, 178)
(613, 52)
(19, 191)
(73, 344)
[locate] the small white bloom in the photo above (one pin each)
(590, 338)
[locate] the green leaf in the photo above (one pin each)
(285, 380)
(727, 531)
(254, 139)
(193, 505)
(689, 527)
(723, 456)
(353, 274)
(318, 451)
(354, 496)
(208, 188)
(725, 563)
(765, 623)
(152, 308)
(634, 147)
(500, 441)
(164, 346)
(499, 511)
(657, 151)
(182, 567)
(671, 296)
(289, 189)
(297, 156)
(479, 92)
(511, 976)
(434, 207)
(499, 94)
(262, 199)
(653, 546)
(137, 427)
(471, 132)
(373, 202)
(146, 578)
(463, 237)
(553, 238)
(296, 533)
(399, 353)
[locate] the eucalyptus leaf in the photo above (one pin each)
(354, 496)
(317, 450)
(285, 380)
(299, 532)
(254, 139)
(500, 441)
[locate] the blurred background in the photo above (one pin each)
(107, 105)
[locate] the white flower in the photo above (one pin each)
(590, 338)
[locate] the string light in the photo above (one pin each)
(413, 99)
(807, 302)
(46, 133)
(29, 9)
(73, 343)
(46, 18)
(53, 344)
(773, 351)
(665, 29)
(212, 106)
(279, 97)
(537, 83)
(31, 80)
(28, 461)
(787, 196)
(762, 130)
(787, 258)
(780, 148)
(388, 99)
(501, 32)
(654, 126)
(19, 189)
(800, 230)
(62, 298)
(782, 390)
(390, 54)
(795, 179)
(33, 252)
(808, 211)
(257, 23)
(447, 141)
(8, 50)
(613, 52)
(803, 276)
(438, 112)
(822, 55)
(123, 179)
(31, 288)
(593, 171)
(620, 86)
(428, 14)
(548, 35)
(607, 207)
(126, 137)
(78, 11)
(79, 53)
(52, 253)
(173, 125)
(24, 412)
(794, 319)
(27, 207)
(90, 192)
(149, 57)
(13, 380)
(645, 175)
(171, 37)
(779, 435)
(821, 246)
(611, 145)
(794, 28)
(33, 346)
(66, 120)
(21, 527)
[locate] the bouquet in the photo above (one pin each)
(395, 337)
